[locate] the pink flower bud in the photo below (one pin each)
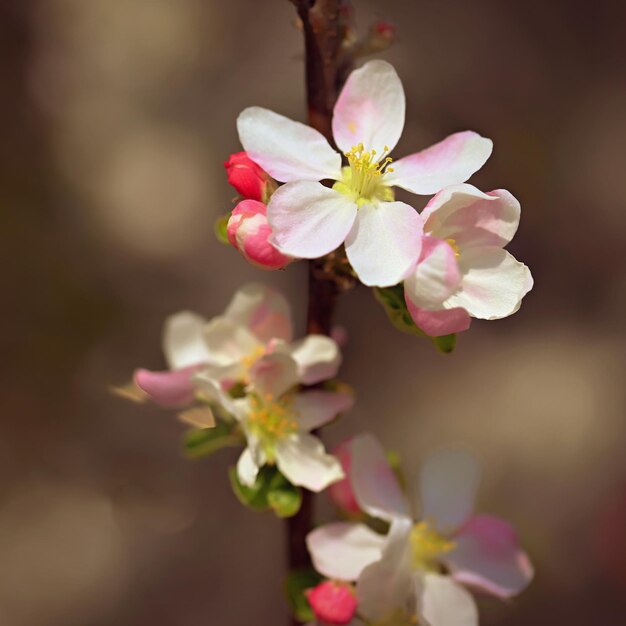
(385, 30)
(341, 492)
(249, 179)
(248, 230)
(333, 602)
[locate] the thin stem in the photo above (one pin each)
(327, 64)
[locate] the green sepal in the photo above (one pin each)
(198, 443)
(295, 586)
(392, 299)
(219, 228)
(271, 491)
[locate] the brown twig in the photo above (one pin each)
(328, 61)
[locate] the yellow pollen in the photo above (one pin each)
(249, 360)
(365, 171)
(427, 546)
(271, 419)
(452, 243)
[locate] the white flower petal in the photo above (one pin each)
(228, 341)
(213, 392)
(341, 550)
(308, 219)
(472, 218)
(448, 162)
(247, 469)
(318, 358)
(183, 344)
(285, 149)
(448, 483)
(493, 283)
(384, 243)
(274, 374)
(375, 485)
(370, 109)
(385, 589)
(263, 310)
(302, 459)
(444, 603)
(316, 408)
(435, 277)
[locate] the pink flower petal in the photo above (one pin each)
(439, 323)
(370, 109)
(341, 492)
(488, 557)
(318, 407)
(449, 162)
(472, 218)
(384, 243)
(308, 219)
(168, 389)
(436, 275)
(274, 374)
(287, 150)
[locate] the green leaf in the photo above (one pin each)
(392, 299)
(198, 443)
(284, 498)
(271, 491)
(296, 583)
(220, 228)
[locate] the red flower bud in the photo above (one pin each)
(333, 602)
(248, 230)
(249, 179)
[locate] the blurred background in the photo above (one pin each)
(116, 117)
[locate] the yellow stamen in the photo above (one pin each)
(427, 546)
(452, 243)
(271, 419)
(365, 171)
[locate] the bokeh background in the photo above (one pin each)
(116, 116)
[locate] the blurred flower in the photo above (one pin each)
(257, 321)
(341, 492)
(463, 270)
(277, 420)
(249, 232)
(309, 220)
(403, 574)
(333, 602)
(250, 180)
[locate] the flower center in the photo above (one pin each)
(452, 243)
(427, 546)
(363, 177)
(271, 419)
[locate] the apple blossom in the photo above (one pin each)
(309, 220)
(420, 569)
(247, 177)
(341, 492)
(257, 321)
(249, 232)
(277, 419)
(463, 270)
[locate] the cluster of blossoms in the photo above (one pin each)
(416, 570)
(241, 378)
(450, 258)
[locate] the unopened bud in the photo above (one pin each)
(248, 178)
(333, 602)
(249, 231)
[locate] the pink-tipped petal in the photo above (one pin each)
(472, 218)
(286, 149)
(448, 483)
(273, 374)
(168, 389)
(384, 243)
(309, 220)
(333, 602)
(493, 283)
(370, 109)
(488, 557)
(439, 323)
(317, 407)
(449, 162)
(263, 310)
(341, 492)
(435, 277)
(375, 485)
